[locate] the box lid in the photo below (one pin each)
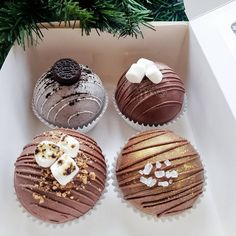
(196, 8)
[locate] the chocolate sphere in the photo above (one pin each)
(62, 104)
(160, 173)
(42, 196)
(148, 103)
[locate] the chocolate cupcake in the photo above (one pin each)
(69, 95)
(60, 176)
(150, 94)
(160, 173)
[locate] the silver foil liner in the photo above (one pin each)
(36, 220)
(84, 129)
(154, 218)
(143, 127)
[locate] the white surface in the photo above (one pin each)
(196, 8)
(208, 123)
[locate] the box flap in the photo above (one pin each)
(195, 8)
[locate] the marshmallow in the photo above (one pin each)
(135, 73)
(145, 63)
(171, 174)
(64, 169)
(160, 174)
(163, 184)
(149, 182)
(154, 74)
(69, 145)
(167, 163)
(147, 169)
(46, 153)
(158, 165)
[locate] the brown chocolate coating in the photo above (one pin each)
(150, 147)
(78, 198)
(148, 103)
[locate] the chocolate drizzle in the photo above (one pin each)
(148, 103)
(58, 205)
(153, 146)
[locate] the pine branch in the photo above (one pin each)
(19, 19)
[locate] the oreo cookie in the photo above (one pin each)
(66, 71)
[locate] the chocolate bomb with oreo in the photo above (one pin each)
(69, 95)
(149, 103)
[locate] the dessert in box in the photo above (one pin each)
(160, 173)
(60, 175)
(69, 95)
(149, 93)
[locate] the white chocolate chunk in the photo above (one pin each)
(158, 165)
(147, 169)
(135, 73)
(149, 182)
(154, 74)
(64, 169)
(69, 145)
(160, 174)
(167, 163)
(163, 184)
(46, 153)
(145, 62)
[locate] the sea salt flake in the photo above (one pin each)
(163, 184)
(160, 174)
(150, 182)
(167, 162)
(170, 181)
(158, 165)
(147, 169)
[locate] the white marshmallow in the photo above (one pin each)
(64, 169)
(158, 165)
(145, 62)
(147, 169)
(160, 174)
(69, 145)
(163, 184)
(149, 182)
(154, 74)
(135, 73)
(167, 163)
(46, 153)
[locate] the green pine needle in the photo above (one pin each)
(19, 20)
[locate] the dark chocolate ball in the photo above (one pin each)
(148, 103)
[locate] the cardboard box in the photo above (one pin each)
(198, 53)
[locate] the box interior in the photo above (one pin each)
(204, 124)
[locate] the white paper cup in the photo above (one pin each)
(154, 218)
(75, 221)
(84, 129)
(143, 127)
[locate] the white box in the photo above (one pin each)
(195, 50)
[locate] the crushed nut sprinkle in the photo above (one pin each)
(38, 198)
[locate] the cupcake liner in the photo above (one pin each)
(84, 129)
(143, 127)
(154, 218)
(75, 221)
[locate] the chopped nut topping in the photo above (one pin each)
(92, 175)
(38, 198)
